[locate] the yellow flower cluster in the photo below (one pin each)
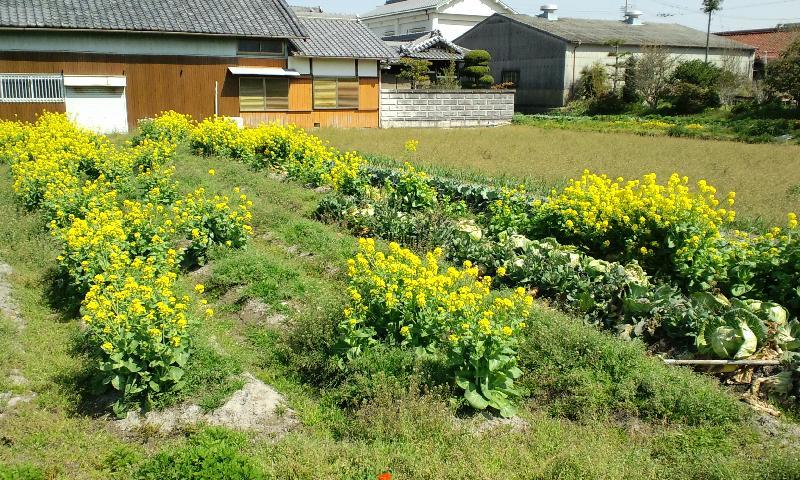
(434, 299)
(629, 213)
(135, 304)
(657, 124)
(122, 255)
(10, 134)
(603, 201)
(285, 147)
(411, 146)
(345, 173)
(216, 136)
(401, 298)
(169, 125)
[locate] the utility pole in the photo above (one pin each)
(709, 7)
(708, 36)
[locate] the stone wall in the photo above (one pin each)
(446, 108)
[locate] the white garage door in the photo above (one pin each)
(99, 108)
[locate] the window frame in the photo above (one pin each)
(338, 102)
(514, 72)
(264, 91)
(260, 54)
(30, 84)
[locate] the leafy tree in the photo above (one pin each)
(617, 55)
(697, 72)
(629, 93)
(593, 82)
(783, 75)
(415, 71)
(696, 86)
(653, 70)
(476, 69)
(448, 77)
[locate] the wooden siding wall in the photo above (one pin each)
(302, 113)
(186, 85)
(369, 94)
(27, 112)
(322, 118)
(154, 84)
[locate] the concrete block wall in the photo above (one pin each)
(446, 108)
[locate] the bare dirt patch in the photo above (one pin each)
(257, 407)
(8, 307)
(257, 313)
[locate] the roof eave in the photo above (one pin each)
(341, 57)
(157, 32)
(411, 10)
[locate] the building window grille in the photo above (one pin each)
(31, 88)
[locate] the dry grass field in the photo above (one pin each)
(765, 177)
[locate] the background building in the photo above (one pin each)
(544, 55)
(769, 43)
(109, 64)
(450, 17)
(429, 46)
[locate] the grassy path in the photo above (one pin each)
(593, 413)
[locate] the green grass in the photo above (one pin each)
(764, 176)
(597, 407)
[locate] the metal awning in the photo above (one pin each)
(94, 81)
(264, 71)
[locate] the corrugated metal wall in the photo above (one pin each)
(539, 58)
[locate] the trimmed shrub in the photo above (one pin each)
(476, 69)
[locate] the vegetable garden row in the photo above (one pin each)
(648, 260)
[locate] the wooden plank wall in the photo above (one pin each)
(186, 85)
(27, 112)
(322, 118)
(302, 113)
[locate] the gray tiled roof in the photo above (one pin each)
(247, 18)
(411, 5)
(340, 37)
(435, 54)
(598, 32)
(427, 46)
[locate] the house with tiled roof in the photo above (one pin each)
(769, 42)
(543, 56)
(108, 64)
(451, 18)
(432, 47)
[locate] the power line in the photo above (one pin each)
(778, 2)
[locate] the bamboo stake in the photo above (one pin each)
(744, 363)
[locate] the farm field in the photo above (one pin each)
(766, 178)
(587, 403)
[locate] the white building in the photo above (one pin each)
(451, 17)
